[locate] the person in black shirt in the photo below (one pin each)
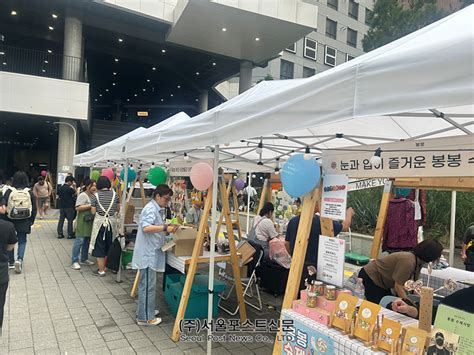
(311, 258)
(67, 207)
(8, 240)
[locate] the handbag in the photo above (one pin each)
(88, 217)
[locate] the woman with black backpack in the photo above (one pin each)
(20, 206)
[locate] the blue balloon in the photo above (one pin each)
(300, 176)
(132, 174)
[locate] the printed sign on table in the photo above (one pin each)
(457, 322)
(334, 197)
(302, 340)
(330, 268)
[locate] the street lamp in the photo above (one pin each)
(74, 130)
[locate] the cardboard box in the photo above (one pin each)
(184, 240)
(243, 270)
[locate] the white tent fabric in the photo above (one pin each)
(386, 94)
(116, 150)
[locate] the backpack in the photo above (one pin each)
(253, 232)
(19, 204)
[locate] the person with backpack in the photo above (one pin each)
(67, 207)
(21, 211)
(105, 206)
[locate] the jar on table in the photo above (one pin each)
(311, 298)
(330, 293)
(320, 289)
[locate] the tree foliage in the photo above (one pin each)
(389, 21)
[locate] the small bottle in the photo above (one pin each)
(359, 290)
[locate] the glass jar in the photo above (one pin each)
(330, 293)
(311, 298)
(320, 289)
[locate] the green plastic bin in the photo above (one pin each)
(127, 256)
(198, 298)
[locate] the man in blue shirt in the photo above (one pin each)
(148, 257)
(311, 258)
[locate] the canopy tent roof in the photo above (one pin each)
(115, 150)
(420, 86)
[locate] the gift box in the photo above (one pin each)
(317, 314)
(303, 295)
(325, 304)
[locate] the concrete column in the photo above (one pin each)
(203, 101)
(73, 54)
(72, 70)
(245, 80)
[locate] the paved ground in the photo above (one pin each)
(52, 309)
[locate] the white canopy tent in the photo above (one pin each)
(420, 86)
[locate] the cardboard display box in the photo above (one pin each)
(183, 242)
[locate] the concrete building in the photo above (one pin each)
(75, 74)
(341, 26)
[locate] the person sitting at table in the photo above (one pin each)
(461, 299)
(194, 214)
(264, 227)
(393, 270)
(148, 257)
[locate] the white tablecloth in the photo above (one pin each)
(439, 276)
(343, 345)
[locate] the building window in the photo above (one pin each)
(286, 69)
(291, 48)
(353, 9)
(349, 57)
(333, 4)
(368, 16)
(331, 28)
(351, 37)
(310, 49)
(330, 56)
(307, 72)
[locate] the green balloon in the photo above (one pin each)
(157, 175)
(95, 174)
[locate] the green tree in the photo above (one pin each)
(389, 21)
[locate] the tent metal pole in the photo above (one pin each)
(249, 179)
(122, 214)
(452, 228)
(215, 191)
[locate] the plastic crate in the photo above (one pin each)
(198, 298)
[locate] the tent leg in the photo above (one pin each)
(452, 228)
(212, 242)
(123, 208)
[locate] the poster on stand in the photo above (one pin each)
(457, 322)
(330, 268)
(61, 179)
(334, 198)
(303, 339)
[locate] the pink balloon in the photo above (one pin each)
(239, 184)
(43, 173)
(109, 173)
(201, 176)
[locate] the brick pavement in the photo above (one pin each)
(52, 309)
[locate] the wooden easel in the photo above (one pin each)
(194, 260)
(231, 189)
(266, 194)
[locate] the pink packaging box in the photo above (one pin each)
(303, 295)
(317, 314)
(325, 304)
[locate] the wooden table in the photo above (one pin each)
(180, 262)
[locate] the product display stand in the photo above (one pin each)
(195, 255)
